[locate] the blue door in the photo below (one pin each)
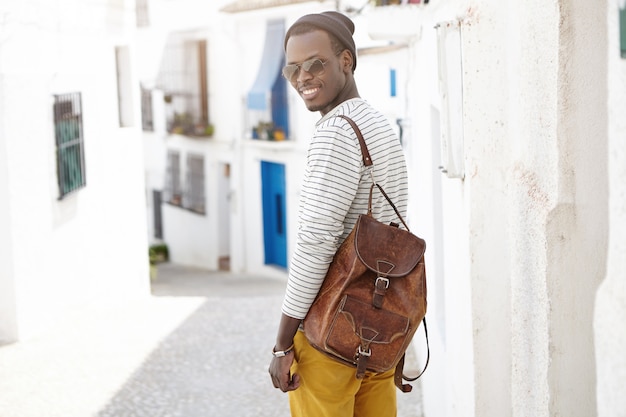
(274, 213)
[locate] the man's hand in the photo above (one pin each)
(281, 375)
(279, 367)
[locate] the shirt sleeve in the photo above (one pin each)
(330, 184)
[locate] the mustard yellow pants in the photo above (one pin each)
(330, 389)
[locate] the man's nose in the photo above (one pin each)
(303, 75)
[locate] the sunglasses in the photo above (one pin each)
(313, 66)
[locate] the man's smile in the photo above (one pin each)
(309, 92)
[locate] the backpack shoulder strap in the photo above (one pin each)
(399, 374)
(367, 159)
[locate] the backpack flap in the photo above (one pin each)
(387, 250)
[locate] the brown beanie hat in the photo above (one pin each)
(336, 23)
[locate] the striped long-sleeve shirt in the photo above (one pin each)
(335, 191)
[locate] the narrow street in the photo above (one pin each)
(198, 347)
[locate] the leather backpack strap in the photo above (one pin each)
(367, 159)
(399, 374)
(369, 204)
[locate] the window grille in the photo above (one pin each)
(194, 196)
(173, 189)
(183, 79)
(147, 122)
(68, 128)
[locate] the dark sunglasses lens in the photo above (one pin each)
(314, 66)
(290, 71)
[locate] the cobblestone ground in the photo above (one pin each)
(198, 347)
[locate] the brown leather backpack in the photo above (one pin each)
(374, 295)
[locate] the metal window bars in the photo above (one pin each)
(68, 128)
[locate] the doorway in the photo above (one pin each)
(274, 213)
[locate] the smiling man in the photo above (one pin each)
(321, 60)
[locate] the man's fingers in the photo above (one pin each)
(283, 380)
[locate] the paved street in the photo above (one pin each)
(199, 346)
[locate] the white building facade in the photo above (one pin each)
(72, 211)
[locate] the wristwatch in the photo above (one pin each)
(281, 353)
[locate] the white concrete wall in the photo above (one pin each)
(8, 313)
(92, 244)
(192, 238)
(509, 303)
(531, 200)
(574, 229)
(610, 300)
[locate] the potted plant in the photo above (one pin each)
(156, 254)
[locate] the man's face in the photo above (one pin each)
(319, 90)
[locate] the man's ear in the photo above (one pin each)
(346, 60)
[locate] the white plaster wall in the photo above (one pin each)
(189, 238)
(533, 104)
(574, 226)
(525, 140)
(501, 79)
(8, 317)
(91, 245)
(192, 238)
(610, 306)
(477, 291)
(502, 241)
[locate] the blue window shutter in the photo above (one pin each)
(269, 70)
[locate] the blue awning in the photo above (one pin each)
(270, 68)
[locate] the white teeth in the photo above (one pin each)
(311, 91)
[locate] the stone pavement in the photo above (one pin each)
(198, 347)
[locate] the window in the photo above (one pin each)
(173, 189)
(267, 99)
(194, 195)
(147, 123)
(184, 81)
(68, 129)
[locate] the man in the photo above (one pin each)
(321, 59)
